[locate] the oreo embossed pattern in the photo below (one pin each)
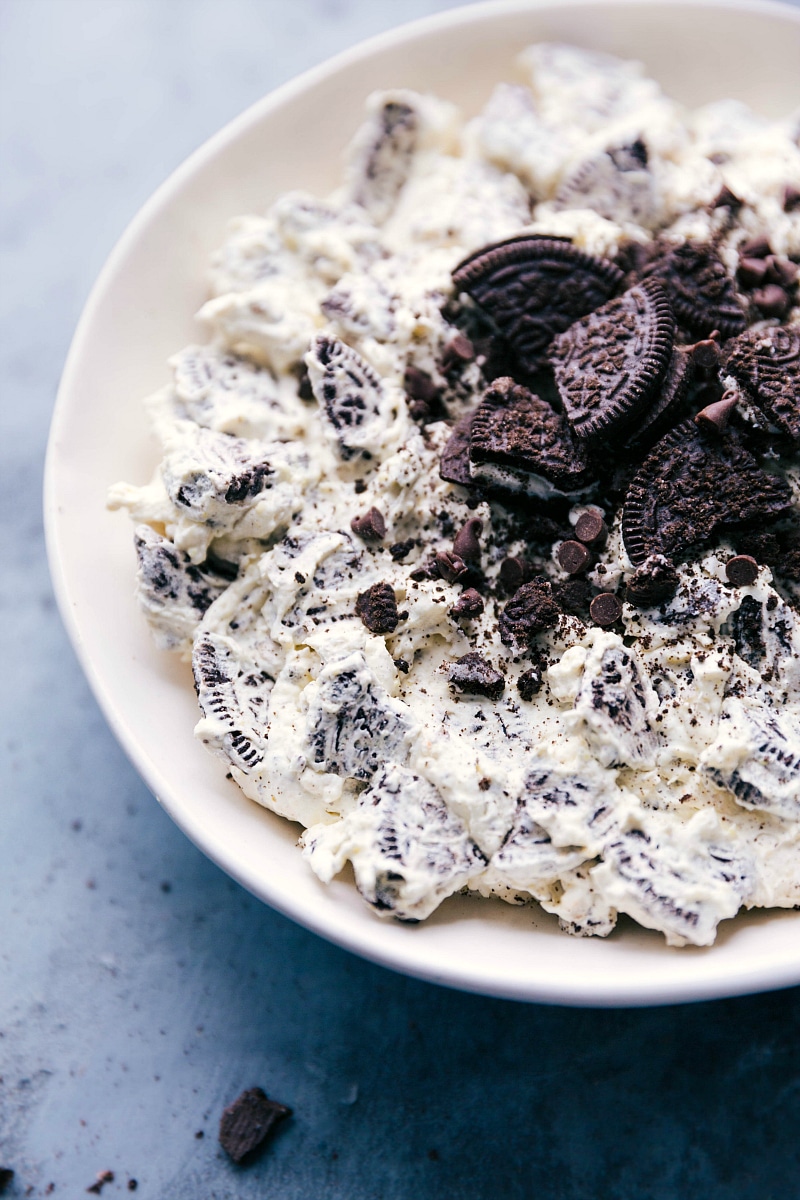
(477, 513)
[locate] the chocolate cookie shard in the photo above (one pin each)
(669, 397)
(474, 676)
(654, 582)
(767, 776)
(615, 184)
(691, 485)
(609, 364)
(530, 610)
(700, 290)
(454, 463)
(353, 401)
(529, 683)
(234, 701)
(377, 608)
(766, 363)
(518, 443)
(616, 704)
(535, 287)
(246, 1124)
(173, 591)
(385, 157)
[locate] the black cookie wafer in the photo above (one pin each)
(535, 287)
(767, 365)
(692, 484)
(516, 434)
(670, 396)
(609, 364)
(700, 290)
(454, 462)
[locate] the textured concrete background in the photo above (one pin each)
(140, 989)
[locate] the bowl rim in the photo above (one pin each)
(583, 992)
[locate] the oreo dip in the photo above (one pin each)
(478, 510)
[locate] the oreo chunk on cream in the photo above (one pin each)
(757, 757)
(360, 411)
(408, 850)
(616, 705)
(172, 591)
(233, 697)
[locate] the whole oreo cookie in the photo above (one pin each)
(609, 364)
(767, 365)
(700, 290)
(692, 484)
(534, 288)
(516, 439)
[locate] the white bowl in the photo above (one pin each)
(141, 311)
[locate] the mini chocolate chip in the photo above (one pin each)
(401, 665)
(377, 608)
(451, 566)
(714, 417)
(791, 198)
(359, 487)
(469, 604)
(590, 528)
(428, 570)
(573, 557)
(466, 543)
(401, 550)
(755, 248)
(484, 784)
(420, 386)
(751, 271)
(371, 526)
(529, 683)
(725, 198)
(742, 570)
(457, 351)
(781, 270)
(705, 357)
(513, 573)
(771, 300)
(605, 609)
(473, 675)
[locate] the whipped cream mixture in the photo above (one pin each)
(648, 765)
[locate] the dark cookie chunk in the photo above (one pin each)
(474, 676)
(246, 1124)
(401, 550)
(386, 160)
(454, 463)
(767, 365)
(377, 608)
(370, 527)
(609, 364)
(535, 287)
(741, 571)
(531, 609)
(700, 290)
(746, 627)
(469, 604)
(655, 581)
(573, 596)
(791, 197)
(672, 393)
(691, 485)
(529, 683)
(516, 437)
(772, 301)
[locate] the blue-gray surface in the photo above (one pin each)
(142, 989)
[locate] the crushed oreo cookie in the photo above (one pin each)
(474, 676)
(532, 609)
(377, 608)
(246, 1124)
(700, 290)
(766, 363)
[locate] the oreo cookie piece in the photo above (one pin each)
(609, 364)
(615, 705)
(767, 776)
(353, 402)
(234, 698)
(767, 365)
(454, 463)
(700, 290)
(530, 610)
(385, 159)
(377, 608)
(691, 485)
(246, 1124)
(534, 288)
(408, 850)
(172, 590)
(518, 443)
(472, 675)
(616, 184)
(207, 474)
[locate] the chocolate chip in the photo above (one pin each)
(605, 609)
(573, 557)
(401, 550)
(469, 605)
(655, 581)
(531, 609)
(474, 676)
(771, 301)
(533, 288)
(371, 527)
(692, 484)
(451, 566)
(766, 363)
(741, 571)
(608, 364)
(725, 198)
(513, 573)
(700, 290)
(459, 350)
(781, 270)
(466, 543)
(428, 570)
(705, 356)
(246, 1124)
(420, 386)
(591, 528)
(377, 608)
(791, 198)
(751, 271)
(714, 417)
(757, 247)
(529, 683)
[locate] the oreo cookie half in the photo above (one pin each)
(534, 288)
(692, 484)
(518, 443)
(767, 365)
(700, 290)
(608, 364)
